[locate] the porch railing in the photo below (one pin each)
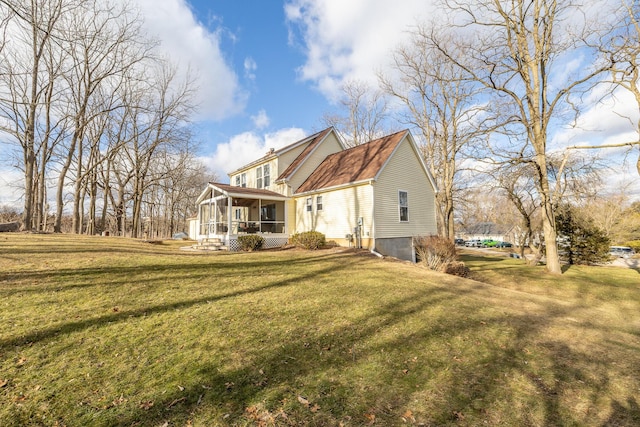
(243, 227)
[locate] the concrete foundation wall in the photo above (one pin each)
(397, 247)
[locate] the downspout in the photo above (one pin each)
(378, 254)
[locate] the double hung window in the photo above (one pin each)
(403, 204)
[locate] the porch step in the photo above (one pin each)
(210, 244)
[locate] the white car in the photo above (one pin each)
(621, 251)
(475, 243)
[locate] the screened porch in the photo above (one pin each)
(226, 212)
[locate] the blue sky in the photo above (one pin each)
(255, 42)
(268, 70)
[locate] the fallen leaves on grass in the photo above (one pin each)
(312, 407)
(146, 405)
(3, 383)
(176, 401)
(408, 416)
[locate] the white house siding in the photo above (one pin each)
(286, 158)
(330, 145)
(340, 212)
(404, 172)
(252, 178)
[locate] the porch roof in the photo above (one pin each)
(241, 192)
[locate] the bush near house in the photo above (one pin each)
(438, 254)
(251, 242)
(309, 240)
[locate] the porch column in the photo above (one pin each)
(215, 216)
(229, 216)
(285, 227)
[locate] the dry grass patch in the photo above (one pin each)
(108, 331)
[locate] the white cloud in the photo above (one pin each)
(261, 120)
(247, 147)
(609, 120)
(11, 187)
(350, 40)
(189, 43)
(250, 68)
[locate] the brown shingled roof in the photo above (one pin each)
(245, 191)
(316, 139)
(356, 164)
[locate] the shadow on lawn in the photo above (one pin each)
(240, 270)
(268, 387)
(310, 365)
(89, 277)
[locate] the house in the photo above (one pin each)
(490, 230)
(377, 195)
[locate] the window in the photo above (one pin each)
(237, 180)
(309, 204)
(243, 180)
(259, 177)
(267, 175)
(403, 203)
(318, 203)
(268, 212)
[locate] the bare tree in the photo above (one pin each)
(624, 53)
(516, 49)
(102, 42)
(365, 113)
(159, 119)
(445, 107)
(26, 81)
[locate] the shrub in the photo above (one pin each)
(309, 240)
(250, 242)
(457, 268)
(579, 240)
(435, 252)
(633, 244)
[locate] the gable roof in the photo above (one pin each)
(271, 154)
(239, 192)
(357, 164)
(315, 139)
(487, 228)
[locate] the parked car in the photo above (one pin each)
(621, 251)
(459, 242)
(503, 245)
(489, 243)
(473, 243)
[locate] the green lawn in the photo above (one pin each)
(108, 331)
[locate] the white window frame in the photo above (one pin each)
(259, 177)
(237, 180)
(243, 180)
(266, 175)
(318, 203)
(309, 204)
(404, 206)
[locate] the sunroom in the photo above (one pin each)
(226, 212)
